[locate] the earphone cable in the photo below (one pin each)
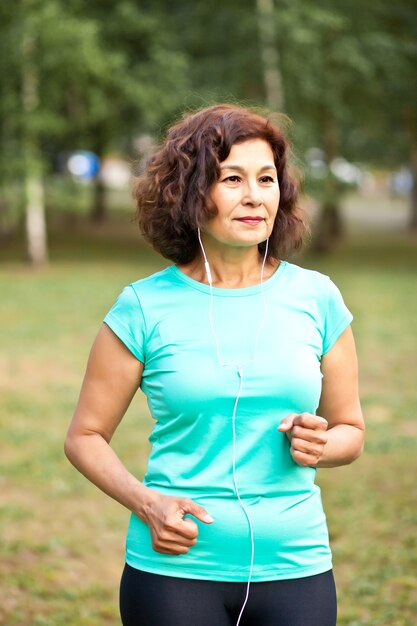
(252, 538)
(240, 367)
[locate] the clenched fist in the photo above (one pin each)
(307, 435)
(170, 532)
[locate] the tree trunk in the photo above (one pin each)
(410, 116)
(413, 198)
(329, 229)
(35, 219)
(4, 226)
(270, 56)
(36, 238)
(99, 207)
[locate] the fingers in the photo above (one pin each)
(307, 435)
(287, 423)
(188, 506)
(305, 446)
(166, 542)
(304, 460)
(174, 535)
(170, 532)
(307, 420)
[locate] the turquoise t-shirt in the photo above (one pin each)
(164, 321)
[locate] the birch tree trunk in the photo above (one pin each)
(36, 237)
(36, 240)
(270, 57)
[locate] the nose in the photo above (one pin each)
(252, 194)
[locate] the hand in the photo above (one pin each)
(307, 435)
(170, 532)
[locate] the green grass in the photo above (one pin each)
(62, 540)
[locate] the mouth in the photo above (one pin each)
(251, 220)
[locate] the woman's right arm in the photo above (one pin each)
(112, 377)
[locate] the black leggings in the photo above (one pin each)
(154, 600)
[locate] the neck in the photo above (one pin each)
(231, 268)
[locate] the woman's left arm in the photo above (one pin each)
(335, 436)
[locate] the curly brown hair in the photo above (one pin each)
(173, 195)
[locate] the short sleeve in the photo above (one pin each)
(127, 321)
(337, 318)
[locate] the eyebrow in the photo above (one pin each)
(238, 168)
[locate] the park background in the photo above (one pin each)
(86, 90)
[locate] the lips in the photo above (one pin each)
(251, 220)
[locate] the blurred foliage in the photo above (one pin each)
(106, 72)
(96, 64)
(127, 67)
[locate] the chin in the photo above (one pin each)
(251, 238)
(245, 243)
(234, 239)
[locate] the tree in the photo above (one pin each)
(33, 186)
(140, 80)
(270, 58)
(42, 43)
(221, 39)
(397, 93)
(321, 48)
(79, 74)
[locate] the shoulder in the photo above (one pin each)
(158, 291)
(132, 295)
(157, 280)
(307, 280)
(155, 285)
(312, 289)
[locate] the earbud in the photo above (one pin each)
(208, 272)
(206, 263)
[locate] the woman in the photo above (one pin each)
(249, 366)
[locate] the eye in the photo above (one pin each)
(232, 179)
(267, 179)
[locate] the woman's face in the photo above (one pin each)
(246, 196)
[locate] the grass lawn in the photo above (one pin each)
(62, 541)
